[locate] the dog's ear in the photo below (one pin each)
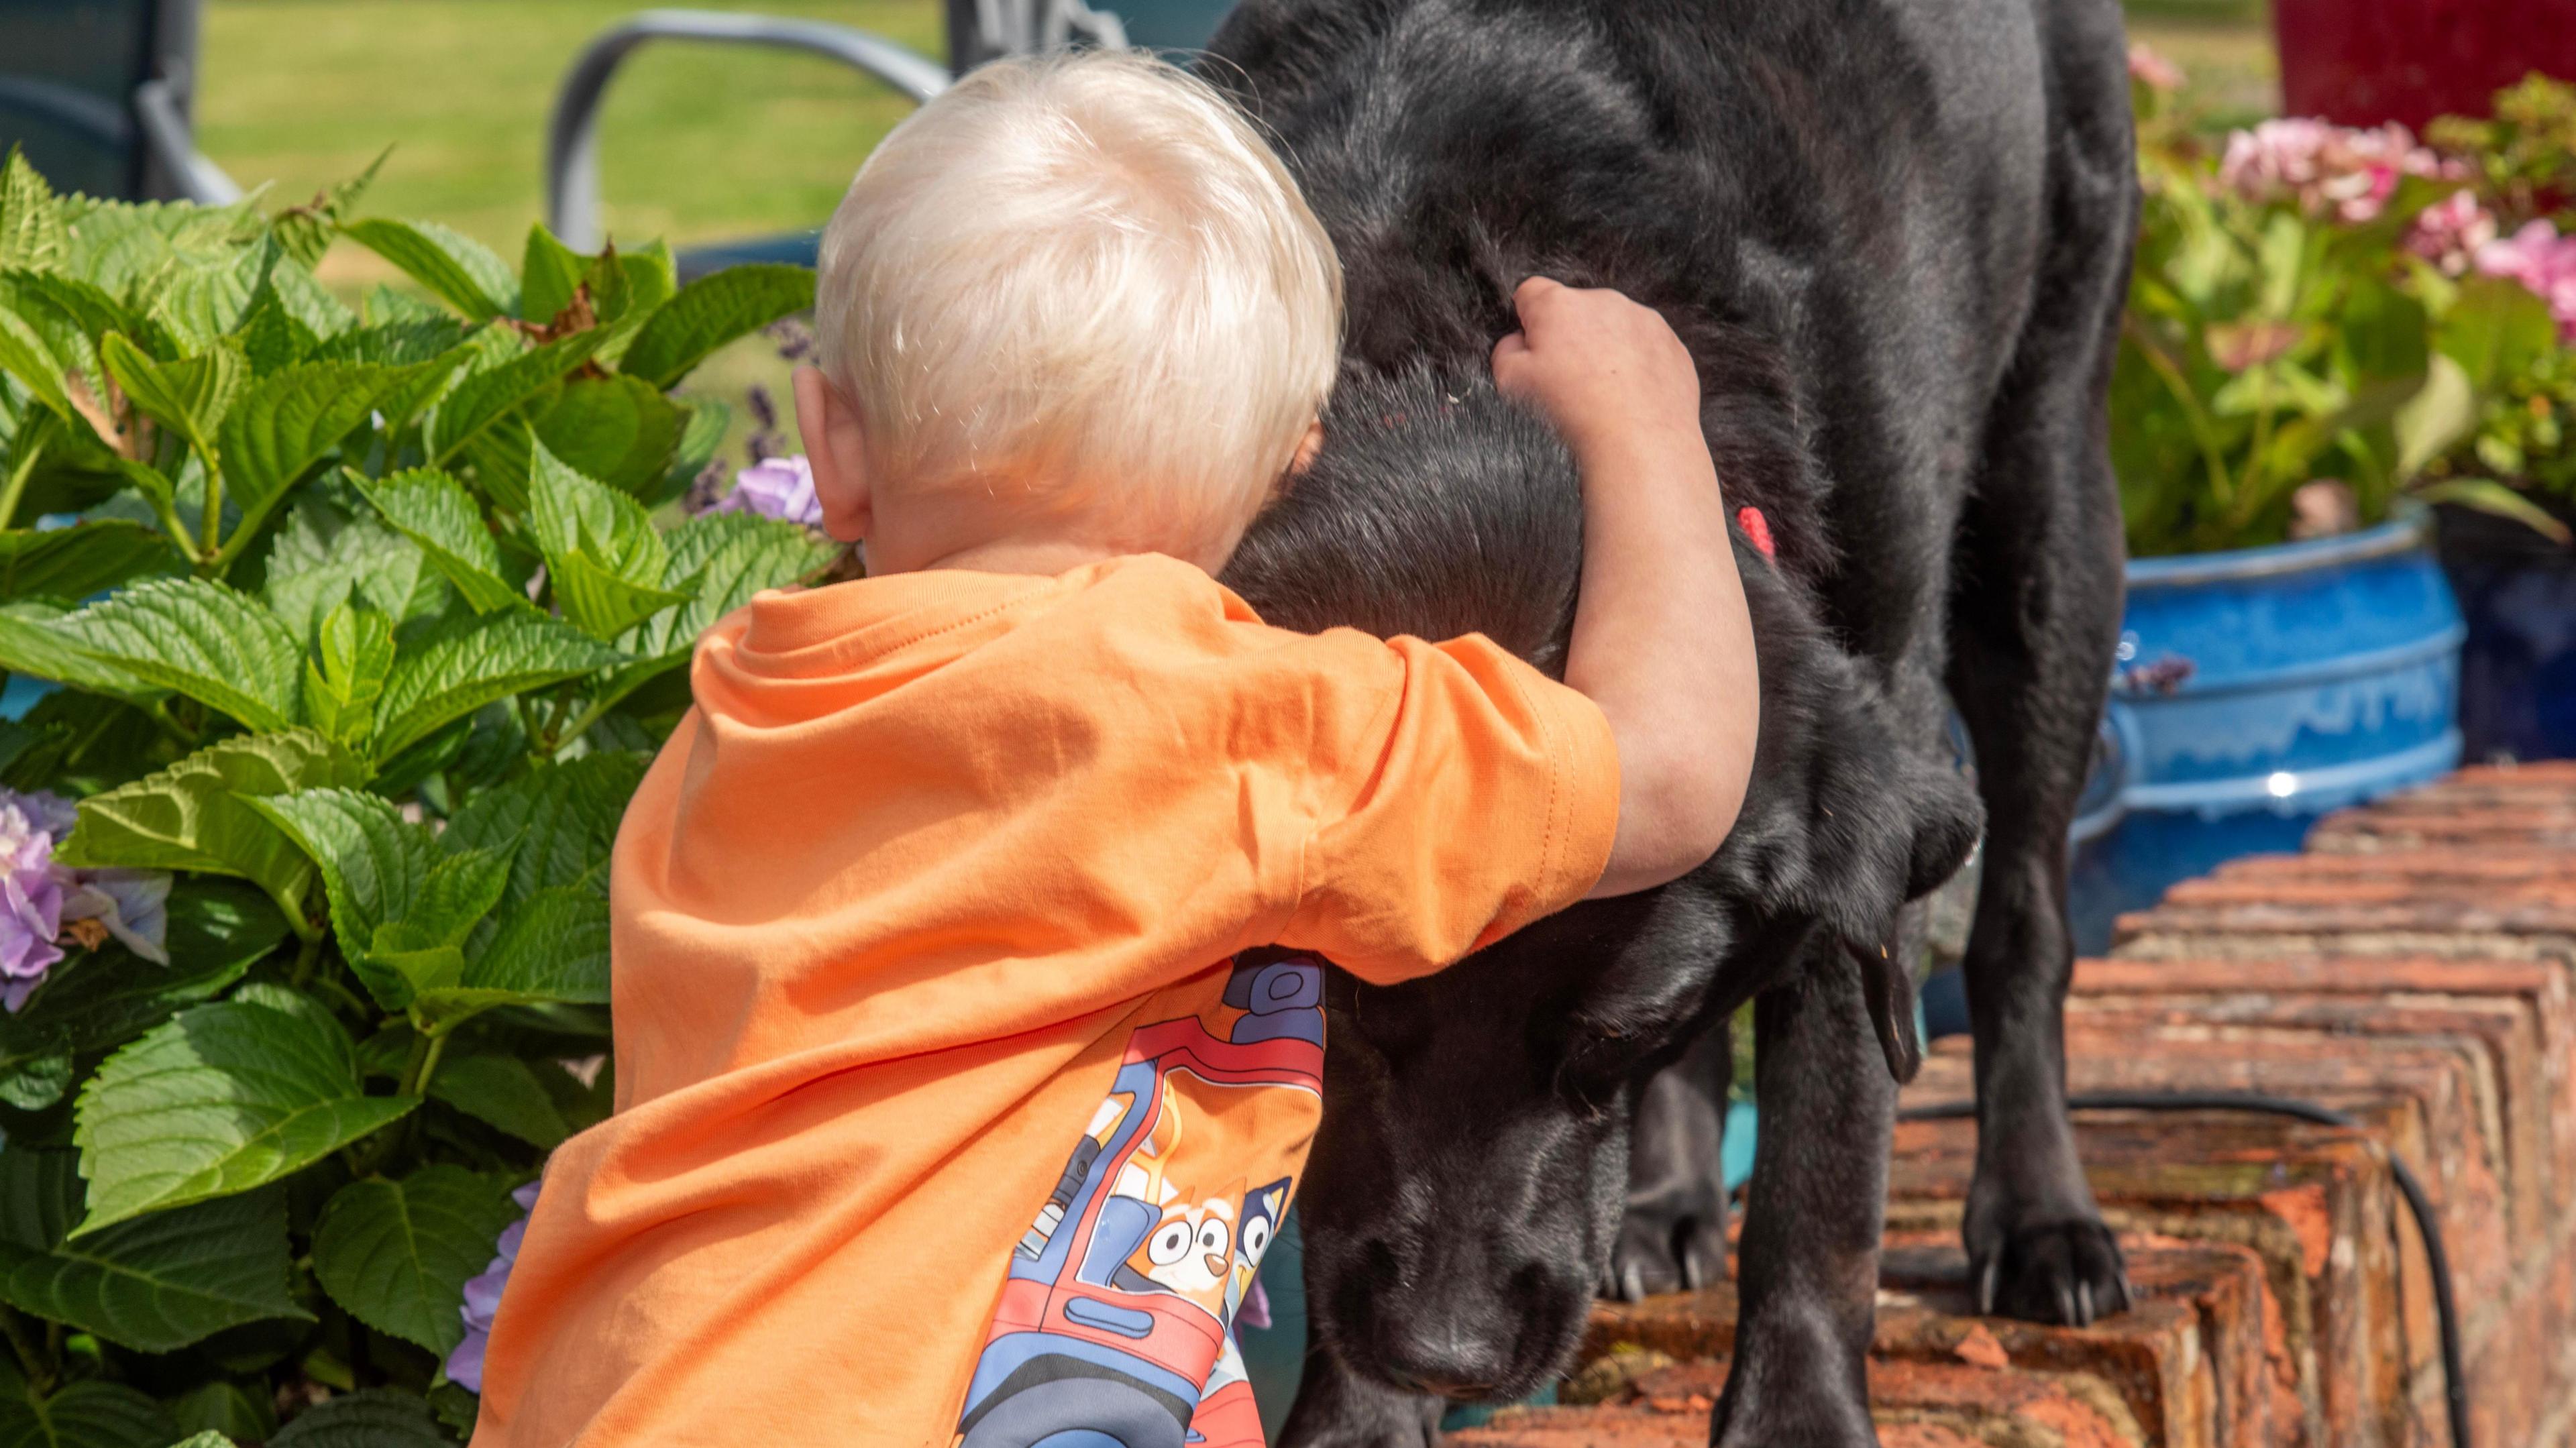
(1849, 814)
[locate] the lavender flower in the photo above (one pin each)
(41, 900)
(31, 906)
(781, 488)
(483, 1296)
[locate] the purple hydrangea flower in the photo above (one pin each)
(133, 906)
(780, 488)
(39, 898)
(31, 906)
(483, 1296)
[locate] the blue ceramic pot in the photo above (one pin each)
(2257, 690)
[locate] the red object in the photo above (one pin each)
(2361, 62)
(1757, 531)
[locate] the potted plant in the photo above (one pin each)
(2505, 239)
(368, 622)
(2310, 345)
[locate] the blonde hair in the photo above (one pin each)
(1079, 277)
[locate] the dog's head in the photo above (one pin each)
(1463, 1195)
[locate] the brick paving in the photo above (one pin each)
(2415, 968)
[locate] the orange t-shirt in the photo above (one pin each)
(956, 1090)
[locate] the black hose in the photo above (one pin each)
(2446, 1309)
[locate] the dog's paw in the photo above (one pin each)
(1819, 1417)
(2068, 1272)
(1656, 1253)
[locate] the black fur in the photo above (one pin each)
(1893, 234)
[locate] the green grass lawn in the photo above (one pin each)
(697, 143)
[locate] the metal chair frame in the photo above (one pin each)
(156, 115)
(978, 30)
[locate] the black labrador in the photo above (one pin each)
(1895, 236)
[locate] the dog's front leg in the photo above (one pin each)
(1808, 1261)
(1338, 1408)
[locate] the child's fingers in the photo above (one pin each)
(1536, 297)
(1511, 356)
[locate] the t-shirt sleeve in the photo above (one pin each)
(1467, 795)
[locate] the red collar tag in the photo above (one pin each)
(1757, 531)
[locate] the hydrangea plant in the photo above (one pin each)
(359, 624)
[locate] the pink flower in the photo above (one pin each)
(2450, 232)
(2152, 70)
(2352, 172)
(483, 1296)
(780, 488)
(2542, 260)
(132, 905)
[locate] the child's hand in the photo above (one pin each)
(1598, 366)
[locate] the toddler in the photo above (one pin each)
(969, 931)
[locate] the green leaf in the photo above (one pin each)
(354, 654)
(709, 419)
(456, 1407)
(476, 661)
(200, 638)
(397, 1254)
(559, 820)
(373, 1418)
(725, 558)
(555, 947)
(601, 550)
(72, 563)
(619, 430)
(190, 397)
(2496, 329)
(288, 422)
(329, 554)
(216, 932)
(87, 310)
(433, 510)
(222, 1099)
(505, 1093)
(37, 1082)
(31, 220)
(549, 272)
(484, 397)
(2486, 495)
(306, 231)
(459, 890)
(156, 1284)
(374, 864)
(90, 1414)
(30, 645)
(25, 356)
(273, 339)
(219, 1412)
(2441, 413)
(711, 311)
(196, 302)
(458, 269)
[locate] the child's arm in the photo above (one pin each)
(1661, 640)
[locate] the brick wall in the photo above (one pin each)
(2412, 969)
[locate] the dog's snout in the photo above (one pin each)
(1439, 1353)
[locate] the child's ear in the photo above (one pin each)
(1307, 446)
(836, 449)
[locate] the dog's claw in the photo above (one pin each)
(1632, 1284)
(2067, 1272)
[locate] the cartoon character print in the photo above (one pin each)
(1115, 1324)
